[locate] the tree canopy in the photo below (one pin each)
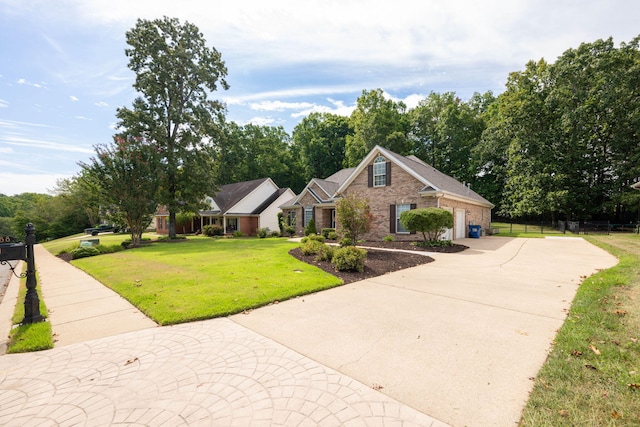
(175, 74)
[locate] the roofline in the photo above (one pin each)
(250, 193)
(452, 196)
(377, 149)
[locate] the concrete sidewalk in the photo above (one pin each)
(80, 308)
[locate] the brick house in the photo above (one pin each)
(243, 206)
(392, 184)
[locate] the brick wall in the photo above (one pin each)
(404, 189)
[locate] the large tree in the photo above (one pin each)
(444, 130)
(377, 120)
(320, 140)
(127, 172)
(175, 74)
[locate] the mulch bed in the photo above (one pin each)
(380, 262)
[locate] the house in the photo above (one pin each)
(243, 206)
(392, 183)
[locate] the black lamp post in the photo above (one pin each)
(31, 300)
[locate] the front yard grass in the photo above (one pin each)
(33, 336)
(201, 278)
(592, 375)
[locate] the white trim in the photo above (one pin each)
(375, 152)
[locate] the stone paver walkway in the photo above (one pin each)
(206, 373)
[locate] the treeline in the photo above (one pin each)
(561, 142)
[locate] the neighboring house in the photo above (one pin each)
(243, 206)
(392, 183)
(636, 185)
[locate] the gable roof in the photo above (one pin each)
(434, 181)
(229, 195)
(328, 186)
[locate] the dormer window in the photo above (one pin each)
(379, 172)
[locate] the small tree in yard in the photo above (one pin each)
(431, 222)
(354, 216)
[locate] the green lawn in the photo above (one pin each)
(201, 278)
(29, 337)
(70, 242)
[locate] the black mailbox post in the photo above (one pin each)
(10, 250)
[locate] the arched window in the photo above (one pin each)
(379, 172)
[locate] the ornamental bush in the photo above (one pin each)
(349, 258)
(262, 232)
(84, 251)
(212, 230)
(325, 253)
(311, 247)
(431, 222)
(310, 229)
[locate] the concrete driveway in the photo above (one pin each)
(458, 339)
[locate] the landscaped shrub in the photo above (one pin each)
(84, 251)
(311, 247)
(109, 249)
(212, 230)
(237, 233)
(310, 229)
(345, 241)
(388, 238)
(325, 232)
(349, 258)
(333, 235)
(274, 234)
(315, 237)
(325, 253)
(263, 232)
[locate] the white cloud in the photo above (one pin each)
(17, 183)
(25, 82)
(6, 150)
(42, 144)
(279, 106)
(3, 103)
(261, 121)
(101, 104)
(74, 98)
(82, 118)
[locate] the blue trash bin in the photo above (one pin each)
(474, 231)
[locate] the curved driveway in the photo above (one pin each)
(458, 338)
(454, 341)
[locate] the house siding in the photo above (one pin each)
(405, 190)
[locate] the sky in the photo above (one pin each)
(63, 70)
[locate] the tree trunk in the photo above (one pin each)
(172, 225)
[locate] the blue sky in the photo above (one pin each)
(63, 71)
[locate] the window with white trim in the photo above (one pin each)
(399, 210)
(379, 172)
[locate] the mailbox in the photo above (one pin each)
(13, 251)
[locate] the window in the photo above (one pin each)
(292, 218)
(379, 172)
(308, 214)
(333, 218)
(399, 210)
